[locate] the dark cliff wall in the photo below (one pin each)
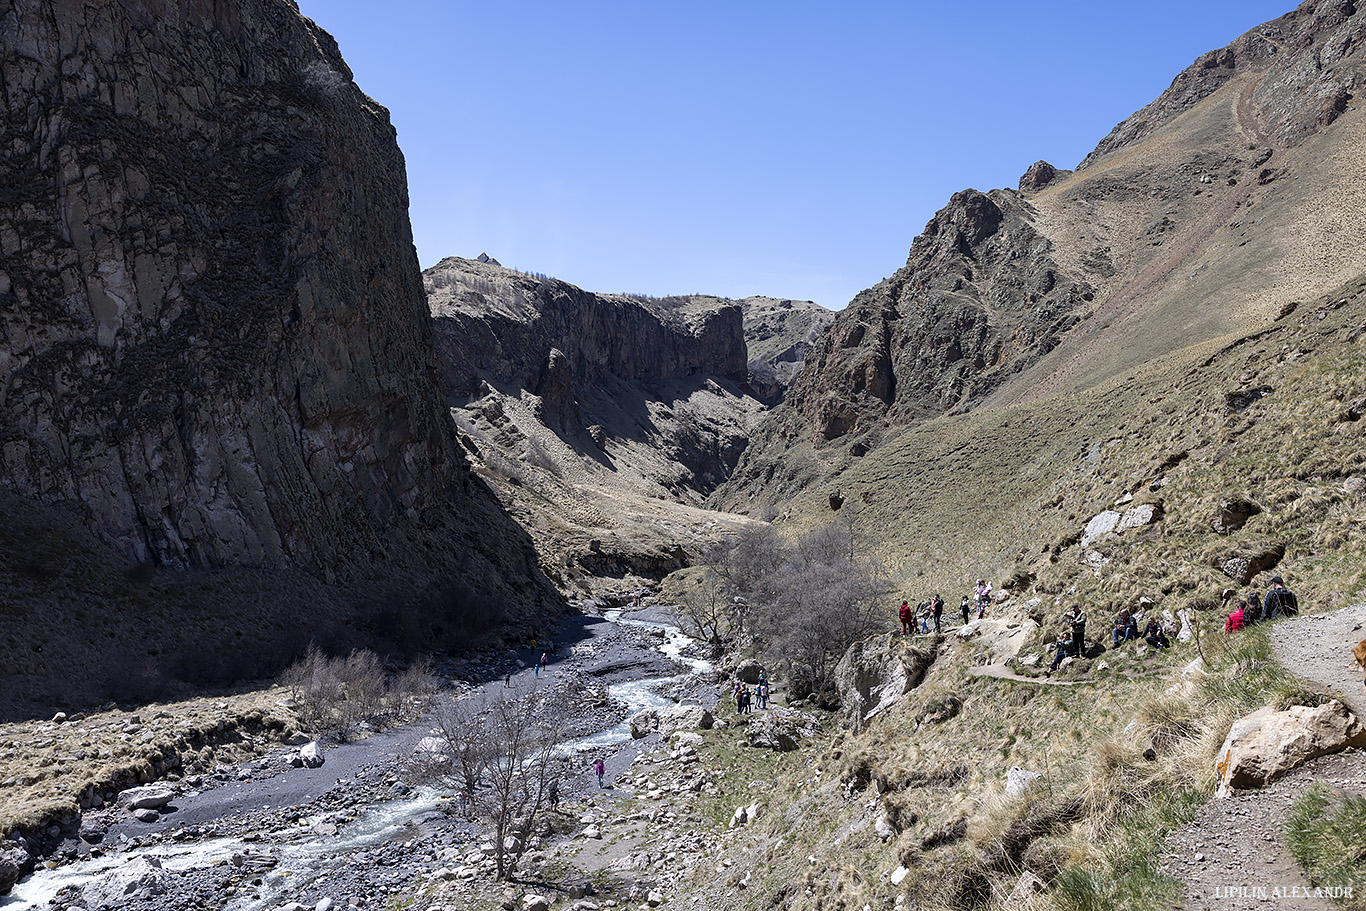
(214, 338)
(501, 324)
(214, 346)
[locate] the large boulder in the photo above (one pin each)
(312, 755)
(15, 862)
(875, 673)
(780, 729)
(1250, 560)
(670, 720)
(748, 671)
(139, 880)
(1266, 744)
(150, 797)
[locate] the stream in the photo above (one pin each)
(303, 856)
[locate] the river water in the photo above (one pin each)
(304, 860)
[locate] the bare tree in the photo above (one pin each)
(460, 755)
(805, 601)
(818, 609)
(522, 727)
(704, 611)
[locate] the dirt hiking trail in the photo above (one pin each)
(1233, 855)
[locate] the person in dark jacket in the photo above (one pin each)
(1154, 634)
(966, 608)
(1280, 601)
(937, 611)
(1063, 648)
(1076, 618)
(1126, 627)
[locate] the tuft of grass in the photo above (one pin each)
(1327, 837)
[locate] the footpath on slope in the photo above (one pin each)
(1232, 856)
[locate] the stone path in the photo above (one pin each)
(1232, 857)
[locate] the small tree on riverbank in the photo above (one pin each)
(801, 601)
(523, 729)
(500, 749)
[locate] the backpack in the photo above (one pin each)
(1280, 602)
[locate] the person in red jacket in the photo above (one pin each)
(1234, 621)
(907, 619)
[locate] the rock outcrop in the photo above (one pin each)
(216, 351)
(779, 334)
(603, 372)
(876, 673)
(1266, 744)
(979, 299)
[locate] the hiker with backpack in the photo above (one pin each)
(1279, 601)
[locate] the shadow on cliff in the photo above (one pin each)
(83, 627)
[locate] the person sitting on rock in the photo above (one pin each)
(1126, 627)
(1062, 649)
(1252, 609)
(1154, 634)
(1280, 601)
(1234, 621)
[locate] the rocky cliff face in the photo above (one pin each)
(214, 347)
(979, 299)
(1204, 218)
(607, 373)
(1311, 54)
(502, 325)
(779, 334)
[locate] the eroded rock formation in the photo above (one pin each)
(979, 299)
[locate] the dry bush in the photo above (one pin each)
(338, 695)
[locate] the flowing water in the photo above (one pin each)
(301, 862)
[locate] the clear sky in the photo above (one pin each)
(792, 149)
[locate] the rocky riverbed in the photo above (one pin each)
(360, 830)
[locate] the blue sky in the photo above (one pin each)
(791, 149)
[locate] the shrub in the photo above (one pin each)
(337, 695)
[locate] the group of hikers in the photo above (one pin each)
(745, 697)
(1071, 643)
(929, 612)
(1279, 602)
